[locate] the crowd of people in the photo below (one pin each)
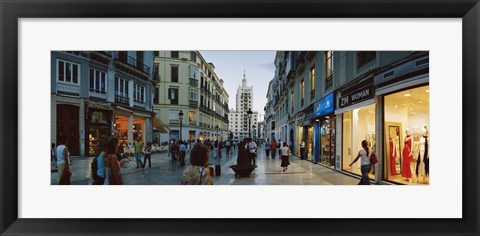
(110, 157)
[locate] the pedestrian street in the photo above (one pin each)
(268, 172)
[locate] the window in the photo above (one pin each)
(302, 92)
(174, 54)
(193, 57)
(191, 116)
(328, 69)
(364, 57)
(68, 72)
(156, 98)
(98, 81)
(292, 100)
(173, 95)
(174, 74)
(138, 93)
(193, 94)
(173, 115)
(121, 87)
(312, 82)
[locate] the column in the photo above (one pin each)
(81, 127)
(130, 128)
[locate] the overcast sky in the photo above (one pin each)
(259, 70)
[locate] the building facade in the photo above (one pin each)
(243, 124)
(187, 84)
(334, 100)
(96, 93)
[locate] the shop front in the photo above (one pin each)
(129, 125)
(307, 134)
(68, 127)
(324, 130)
(406, 122)
(98, 123)
(356, 113)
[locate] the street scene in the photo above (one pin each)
(240, 118)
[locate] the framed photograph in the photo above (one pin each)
(37, 36)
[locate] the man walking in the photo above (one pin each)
(251, 147)
(302, 150)
(267, 148)
(138, 152)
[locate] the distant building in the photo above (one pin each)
(239, 118)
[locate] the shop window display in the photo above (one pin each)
(406, 136)
(358, 125)
(327, 141)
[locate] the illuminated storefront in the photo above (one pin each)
(324, 129)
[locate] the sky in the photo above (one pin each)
(259, 70)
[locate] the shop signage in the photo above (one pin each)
(356, 96)
(324, 106)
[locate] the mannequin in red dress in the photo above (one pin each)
(407, 157)
(393, 157)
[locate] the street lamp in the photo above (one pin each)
(216, 128)
(249, 112)
(254, 131)
(180, 115)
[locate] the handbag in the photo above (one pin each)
(65, 177)
(373, 158)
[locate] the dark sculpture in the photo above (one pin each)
(243, 168)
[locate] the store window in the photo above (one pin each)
(358, 125)
(327, 141)
(406, 135)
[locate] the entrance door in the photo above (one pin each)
(68, 126)
(393, 147)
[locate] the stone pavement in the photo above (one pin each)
(268, 172)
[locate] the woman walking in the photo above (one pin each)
(365, 154)
(148, 155)
(285, 156)
(112, 167)
(198, 172)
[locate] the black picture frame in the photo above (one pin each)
(11, 11)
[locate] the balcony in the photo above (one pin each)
(193, 103)
(192, 122)
(102, 57)
(194, 82)
(130, 65)
(122, 100)
(301, 102)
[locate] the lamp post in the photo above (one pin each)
(180, 115)
(254, 131)
(249, 112)
(216, 128)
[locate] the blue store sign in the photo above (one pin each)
(324, 106)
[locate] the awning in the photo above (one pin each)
(159, 125)
(99, 106)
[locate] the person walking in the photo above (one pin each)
(198, 172)
(365, 166)
(181, 153)
(97, 165)
(273, 148)
(267, 148)
(112, 166)
(227, 145)
(302, 150)
(285, 156)
(63, 158)
(148, 155)
(138, 152)
(173, 151)
(251, 147)
(215, 150)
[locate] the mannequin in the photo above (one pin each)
(393, 157)
(407, 155)
(423, 159)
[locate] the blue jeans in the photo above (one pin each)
(365, 179)
(138, 157)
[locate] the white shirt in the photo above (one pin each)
(252, 147)
(60, 157)
(364, 159)
(302, 145)
(285, 151)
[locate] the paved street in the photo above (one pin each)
(268, 172)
